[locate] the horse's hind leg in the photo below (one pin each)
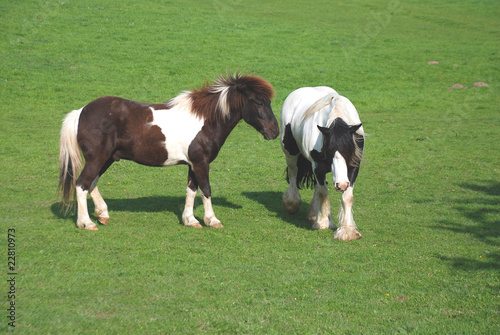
(101, 208)
(85, 184)
(291, 198)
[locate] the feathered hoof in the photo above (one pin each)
(291, 203)
(321, 225)
(103, 220)
(344, 234)
(194, 224)
(214, 223)
(94, 227)
(217, 225)
(291, 206)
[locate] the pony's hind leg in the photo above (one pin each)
(291, 198)
(83, 221)
(101, 209)
(347, 230)
(85, 184)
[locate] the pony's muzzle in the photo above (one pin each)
(270, 133)
(341, 186)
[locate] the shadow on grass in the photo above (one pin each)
(273, 201)
(153, 204)
(480, 206)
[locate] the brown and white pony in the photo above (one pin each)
(188, 129)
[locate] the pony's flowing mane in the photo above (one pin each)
(215, 102)
(323, 102)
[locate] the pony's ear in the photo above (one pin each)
(354, 128)
(324, 130)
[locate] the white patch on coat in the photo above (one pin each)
(339, 172)
(307, 107)
(179, 126)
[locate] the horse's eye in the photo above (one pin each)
(259, 103)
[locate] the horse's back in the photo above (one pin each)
(299, 101)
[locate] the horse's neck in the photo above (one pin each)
(221, 130)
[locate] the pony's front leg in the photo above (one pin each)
(210, 219)
(291, 198)
(200, 173)
(319, 212)
(188, 216)
(347, 230)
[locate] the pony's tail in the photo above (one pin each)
(70, 160)
(305, 175)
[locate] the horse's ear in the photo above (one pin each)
(355, 128)
(324, 130)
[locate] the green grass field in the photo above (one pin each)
(426, 200)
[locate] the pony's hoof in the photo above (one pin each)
(321, 225)
(194, 225)
(216, 225)
(103, 221)
(347, 235)
(291, 204)
(94, 227)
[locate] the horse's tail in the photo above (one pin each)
(305, 174)
(70, 159)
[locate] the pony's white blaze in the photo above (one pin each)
(339, 172)
(180, 127)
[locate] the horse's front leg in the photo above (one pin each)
(201, 171)
(188, 215)
(319, 211)
(347, 230)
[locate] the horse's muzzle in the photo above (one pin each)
(341, 186)
(271, 133)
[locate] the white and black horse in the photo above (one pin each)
(189, 129)
(321, 132)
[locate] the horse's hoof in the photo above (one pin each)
(291, 208)
(91, 227)
(194, 225)
(318, 226)
(216, 225)
(345, 235)
(103, 221)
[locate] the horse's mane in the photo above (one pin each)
(319, 105)
(216, 101)
(348, 142)
(339, 136)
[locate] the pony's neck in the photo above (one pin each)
(219, 131)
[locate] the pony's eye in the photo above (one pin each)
(259, 103)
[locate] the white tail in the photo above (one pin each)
(70, 158)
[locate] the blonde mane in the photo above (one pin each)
(323, 102)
